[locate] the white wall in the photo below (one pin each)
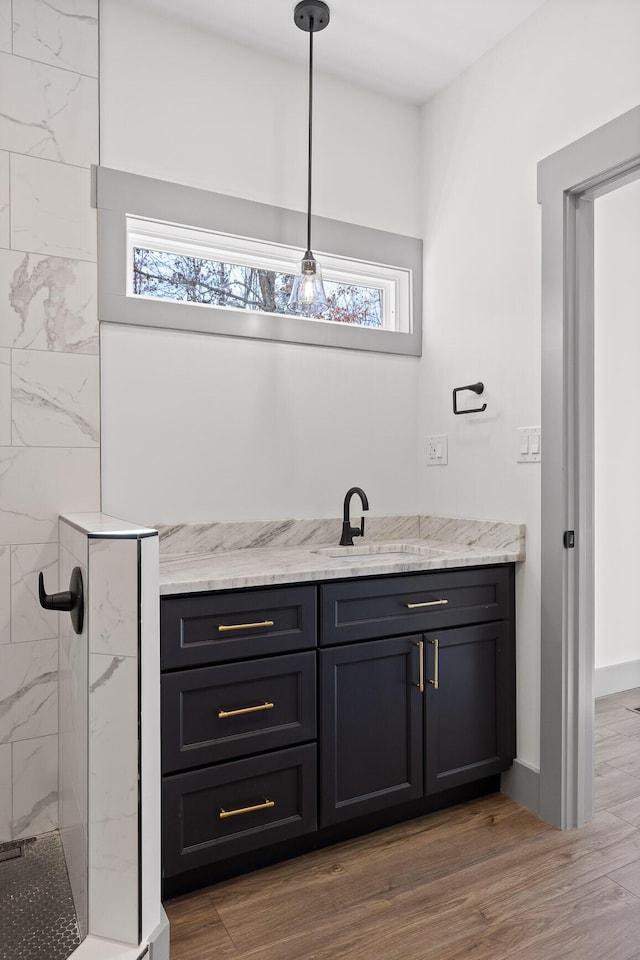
(571, 67)
(568, 69)
(233, 429)
(617, 449)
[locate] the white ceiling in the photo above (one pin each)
(406, 48)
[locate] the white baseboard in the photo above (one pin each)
(522, 784)
(616, 678)
(159, 940)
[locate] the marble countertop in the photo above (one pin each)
(254, 566)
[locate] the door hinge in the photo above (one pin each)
(569, 539)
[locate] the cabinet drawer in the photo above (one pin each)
(386, 606)
(214, 627)
(219, 713)
(234, 808)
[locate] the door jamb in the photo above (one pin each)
(568, 182)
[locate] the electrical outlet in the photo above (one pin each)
(437, 451)
(529, 445)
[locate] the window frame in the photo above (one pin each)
(125, 198)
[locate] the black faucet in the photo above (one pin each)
(349, 532)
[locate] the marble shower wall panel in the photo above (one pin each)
(5, 398)
(5, 221)
(35, 786)
(51, 208)
(29, 621)
(73, 710)
(113, 724)
(103, 829)
(64, 34)
(28, 690)
(5, 26)
(74, 542)
(48, 303)
(36, 482)
(6, 811)
(46, 112)
(5, 596)
(49, 461)
(151, 768)
(55, 399)
(113, 609)
(113, 796)
(73, 732)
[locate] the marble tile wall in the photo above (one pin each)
(109, 720)
(73, 746)
(113, 725)
(49, 382)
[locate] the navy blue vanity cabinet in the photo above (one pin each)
(294, 717)
(238, 701)
(403, 714)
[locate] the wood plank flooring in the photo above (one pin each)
(484, 881)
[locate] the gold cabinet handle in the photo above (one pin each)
(436, 664)
(420, 683)
(267, 705)
(426, 603)
(223, 627)
(266, 805)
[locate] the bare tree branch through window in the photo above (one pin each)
(172, 276)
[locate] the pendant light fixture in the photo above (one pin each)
(307, 295)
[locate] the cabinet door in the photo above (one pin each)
(470, 730)
(372, 723)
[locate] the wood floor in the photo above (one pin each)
(483, 881)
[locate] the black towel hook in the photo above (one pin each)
(71, 600)
(476, 388)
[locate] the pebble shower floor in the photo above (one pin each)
(37, 916)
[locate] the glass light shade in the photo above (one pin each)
(307, 295)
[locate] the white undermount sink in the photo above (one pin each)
(379, 553)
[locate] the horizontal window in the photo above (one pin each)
(175, 276)
(187, 259)
(171, 262)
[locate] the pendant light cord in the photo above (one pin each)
(310, 135)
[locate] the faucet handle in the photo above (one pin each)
(361, 531)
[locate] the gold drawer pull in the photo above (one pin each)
(420, 646)
(222, 627)
(236, 713)
(436, 664)
(426, 603)
(224, 814)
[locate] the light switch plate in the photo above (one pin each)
(529, 445)
(438, 451)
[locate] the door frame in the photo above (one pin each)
(568, 183)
